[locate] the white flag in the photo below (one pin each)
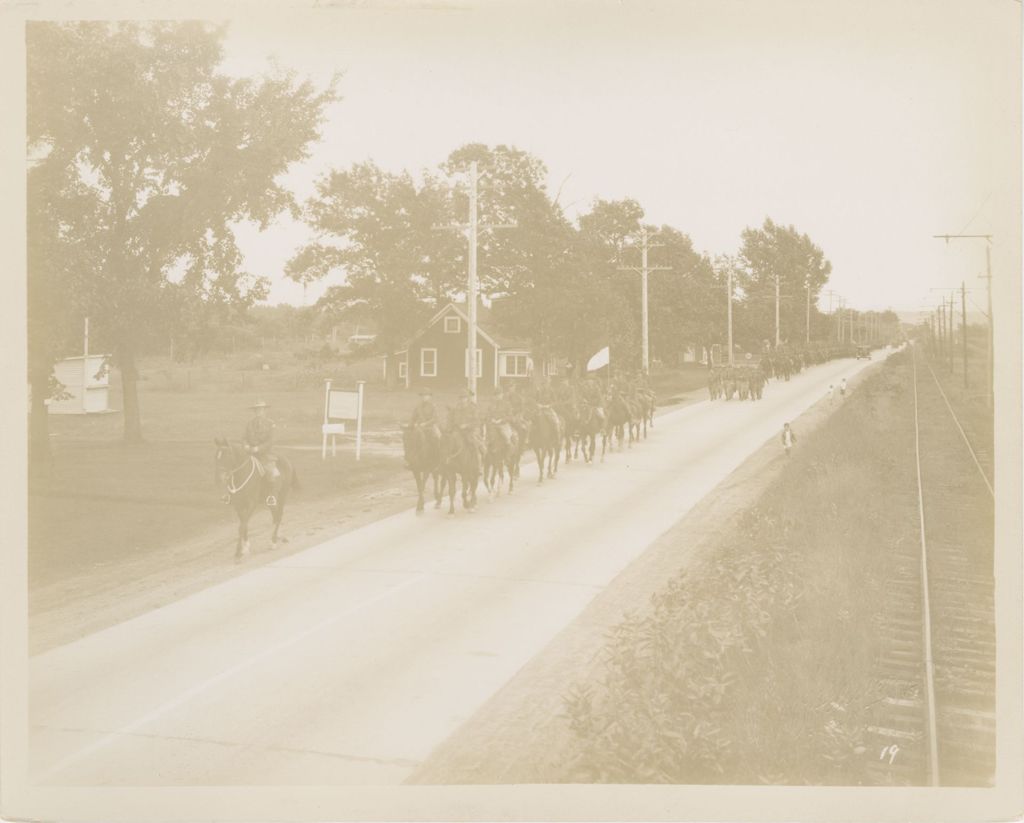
(598, 360)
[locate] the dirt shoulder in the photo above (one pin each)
(520, 735)
(65, 610)
(166, 568)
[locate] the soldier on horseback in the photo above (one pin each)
(259, 442)
(499, 415)
(465, 419)
(425, 415)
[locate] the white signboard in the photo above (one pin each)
(340, 406)
(343, 405)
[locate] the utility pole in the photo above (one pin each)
(952, 338)
(470, 230)
(807, 339)
(730, 314)
(963, 326)
(942, 332)
(988, 284)
(644, 270)
(988, 279)
(776, 310)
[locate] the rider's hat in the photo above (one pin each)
(425, 392)
(260, 404)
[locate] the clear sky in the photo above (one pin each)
(868, 124)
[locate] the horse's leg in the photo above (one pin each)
(241, 538)
(539, 454)
(277, 512)
(243, 534)
(450, 479)
(421, 482)
(438, 489)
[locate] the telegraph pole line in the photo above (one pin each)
(952, 336)
(988, 279)
(730, 314)
(471, 229)
(807, 338)
(776, 310)
(988, 284)
(963, 326)
(644, 269)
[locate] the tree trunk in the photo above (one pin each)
(39, 420)
(129, 394)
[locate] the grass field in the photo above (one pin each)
(102, 502)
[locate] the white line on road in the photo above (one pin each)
(199, 688)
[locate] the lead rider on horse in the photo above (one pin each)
(259, 441)
(425, 415)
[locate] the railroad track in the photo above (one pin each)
(935, 723)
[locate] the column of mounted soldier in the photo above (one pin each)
(551, 419)
(746, 379)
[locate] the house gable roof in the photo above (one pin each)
(454, 307)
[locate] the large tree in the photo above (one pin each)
(380, 230)
(780, 255)
(149, 155)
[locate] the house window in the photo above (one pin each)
(428, 362)
(479, 363)
(550, 367)
(403, 369)
(452, 324)
(515, 365)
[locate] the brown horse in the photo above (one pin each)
(546, 435)
(423, 457)
(502, 454)
(459, 459)
(240, 474)
(589, 424)
(568, 411)
(618, 422)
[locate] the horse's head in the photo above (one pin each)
(225, 460)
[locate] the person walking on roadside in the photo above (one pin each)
(788, 438)
(842, 389)
(831, 394)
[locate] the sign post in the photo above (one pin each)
(359, 417)
(85, 366)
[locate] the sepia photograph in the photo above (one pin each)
(474, 409)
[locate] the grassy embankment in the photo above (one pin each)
(102, 502)
(755, 666)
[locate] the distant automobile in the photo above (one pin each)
(863, 352)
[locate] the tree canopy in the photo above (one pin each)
(147, 154)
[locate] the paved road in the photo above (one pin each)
(349, 662)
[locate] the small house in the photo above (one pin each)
(438, 354)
